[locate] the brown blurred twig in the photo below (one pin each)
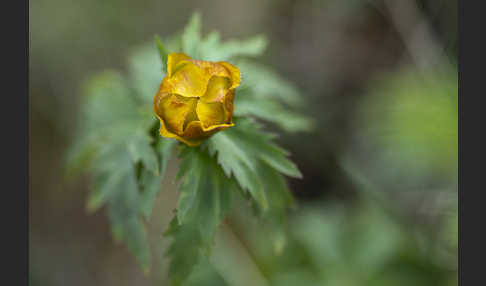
(416, 33)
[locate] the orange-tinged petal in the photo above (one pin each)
(188, 80)
(194, 131)
(211, 69)
(173, 60)
(195, 99)
(235, 74)
(165, 87)
(215, 128)
(191, 115)
(217, 88)
(164, 131)
(228, 106)
(210, 113)
(173, 110)
(191, 142)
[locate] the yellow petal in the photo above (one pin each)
(164, 131)
(210, 113)
(228, 106)
(211, 68)
(197, 140)
(217, 88)
(173, 60)
(215, 128)
(165, 87)
(235, 74)
(218, 69)
(195, 133)
(188, 80)
(173, 110)
(195, 99)
(191, 115)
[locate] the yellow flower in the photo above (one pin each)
(195, 99)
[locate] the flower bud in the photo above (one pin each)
(195, 99)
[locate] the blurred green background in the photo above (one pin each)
(378, 202)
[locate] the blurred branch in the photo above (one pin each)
(232, 261)
(419, 39)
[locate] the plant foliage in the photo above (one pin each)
(119, 145)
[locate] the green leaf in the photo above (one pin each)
(200, 176)
(116, 186)
(127, 159)
(146, 73)
(151, 184)
(264, 82)
(164, 55)
(125, 220)
(204, 201)
(240, 151)
(115, 146)
(272, 111)
(276, 189)
(254, 142)
(192, 179)
(141, 150)
(191, 36)
(212, 49)
(104, 188)
(164, 148)
(238, 161)
(184, 251)
(205, 274)
(266, 95)
(276, 157)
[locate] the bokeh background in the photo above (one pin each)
(378, 201)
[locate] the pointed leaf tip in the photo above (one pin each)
(164, 55)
